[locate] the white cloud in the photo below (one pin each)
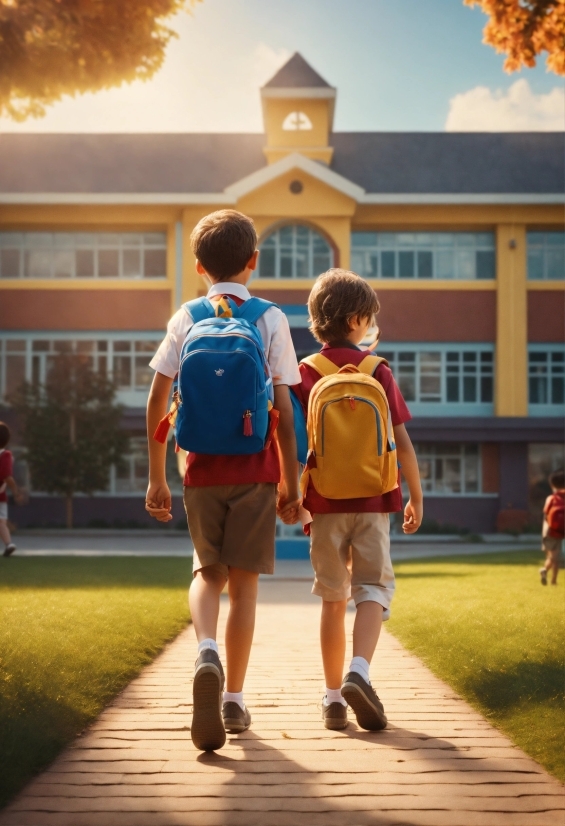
(204, 85)
(517, 110)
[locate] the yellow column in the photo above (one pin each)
(511, 396)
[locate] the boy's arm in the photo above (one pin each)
(414, 510)
(158, 498)
(16, 492)
(289, 498)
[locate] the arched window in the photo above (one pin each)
(294, 251)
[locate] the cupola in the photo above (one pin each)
(298, 111)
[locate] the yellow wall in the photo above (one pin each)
(511, 396)
(314, 143)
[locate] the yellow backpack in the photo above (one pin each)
(351, 450)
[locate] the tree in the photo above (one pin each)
(71, 430)
(49, 48)
(523, 29)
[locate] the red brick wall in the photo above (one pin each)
(438, 315)
(546, 316)
(84, 309)
(490, 456)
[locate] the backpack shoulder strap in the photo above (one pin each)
(252, 309)
(321, 364)
(370, 364)
(199, 309)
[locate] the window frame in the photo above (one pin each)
(548, 408)
(36, 360)
(74, 243)
(314, 234)
(430, 244)
(538, 245)
(429, 451)
(443, 407)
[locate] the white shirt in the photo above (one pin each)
(273, 326)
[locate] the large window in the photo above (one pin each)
(546, 256)
(294, 252)
(451, 376)
(449, 469)
(546, 378)
(83, 255)
(132, 476)
(123, 359)
(449, 255)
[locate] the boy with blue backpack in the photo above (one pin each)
(233, 360)
(357, 440)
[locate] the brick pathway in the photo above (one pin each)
(439, 764)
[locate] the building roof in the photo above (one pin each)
(379, 162)
(296, 73)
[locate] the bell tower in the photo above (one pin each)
(298, 111)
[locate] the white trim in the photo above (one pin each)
(462, 198)
(286, 164)
(105, 198)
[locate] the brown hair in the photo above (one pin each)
(557, 480)
(4, 435)
(223, 242)
(336, 297)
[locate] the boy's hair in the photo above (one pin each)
(336, 297)
(223, 242)
(557, 480)
(4, 435)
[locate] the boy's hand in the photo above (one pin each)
(158, 502)
(413, 514)
(288, 505)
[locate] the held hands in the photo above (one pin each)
(158, 502)
(413, 513)
(288, 505)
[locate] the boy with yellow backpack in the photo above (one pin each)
(356, 442)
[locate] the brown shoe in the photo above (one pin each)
(361, 696)
(236, 719)
(207, 729)
(334, 716)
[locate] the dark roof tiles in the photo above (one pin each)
(296, 74)
(380, 162)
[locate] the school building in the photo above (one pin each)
(461, 234)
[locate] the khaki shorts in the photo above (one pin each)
(350, 554)
(551, 545)
(232, 526)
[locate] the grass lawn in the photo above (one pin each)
(73, 633)
(487, 627)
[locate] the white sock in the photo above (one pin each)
(333, 695)
(360, 666)
(208, 643)
(234, 697)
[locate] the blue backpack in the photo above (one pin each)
(225, 389)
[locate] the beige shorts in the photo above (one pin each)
(350, 554)
(232, 526)
(551, 545)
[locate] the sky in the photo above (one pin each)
(398, 65)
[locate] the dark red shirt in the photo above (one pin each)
(342, 355)
(6, 470)
(204, 470)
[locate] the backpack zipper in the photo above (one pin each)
(354, 399)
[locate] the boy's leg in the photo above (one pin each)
(554, 565)
(242, 590)
(372, 587)
(332, 641)
(204, 601)
(5, 532)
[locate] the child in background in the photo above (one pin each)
(350, 540)
(552, 530)
(6, 481)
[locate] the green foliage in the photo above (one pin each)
(49, 48)
(487, 627)
(73, 633)
(71, 428)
